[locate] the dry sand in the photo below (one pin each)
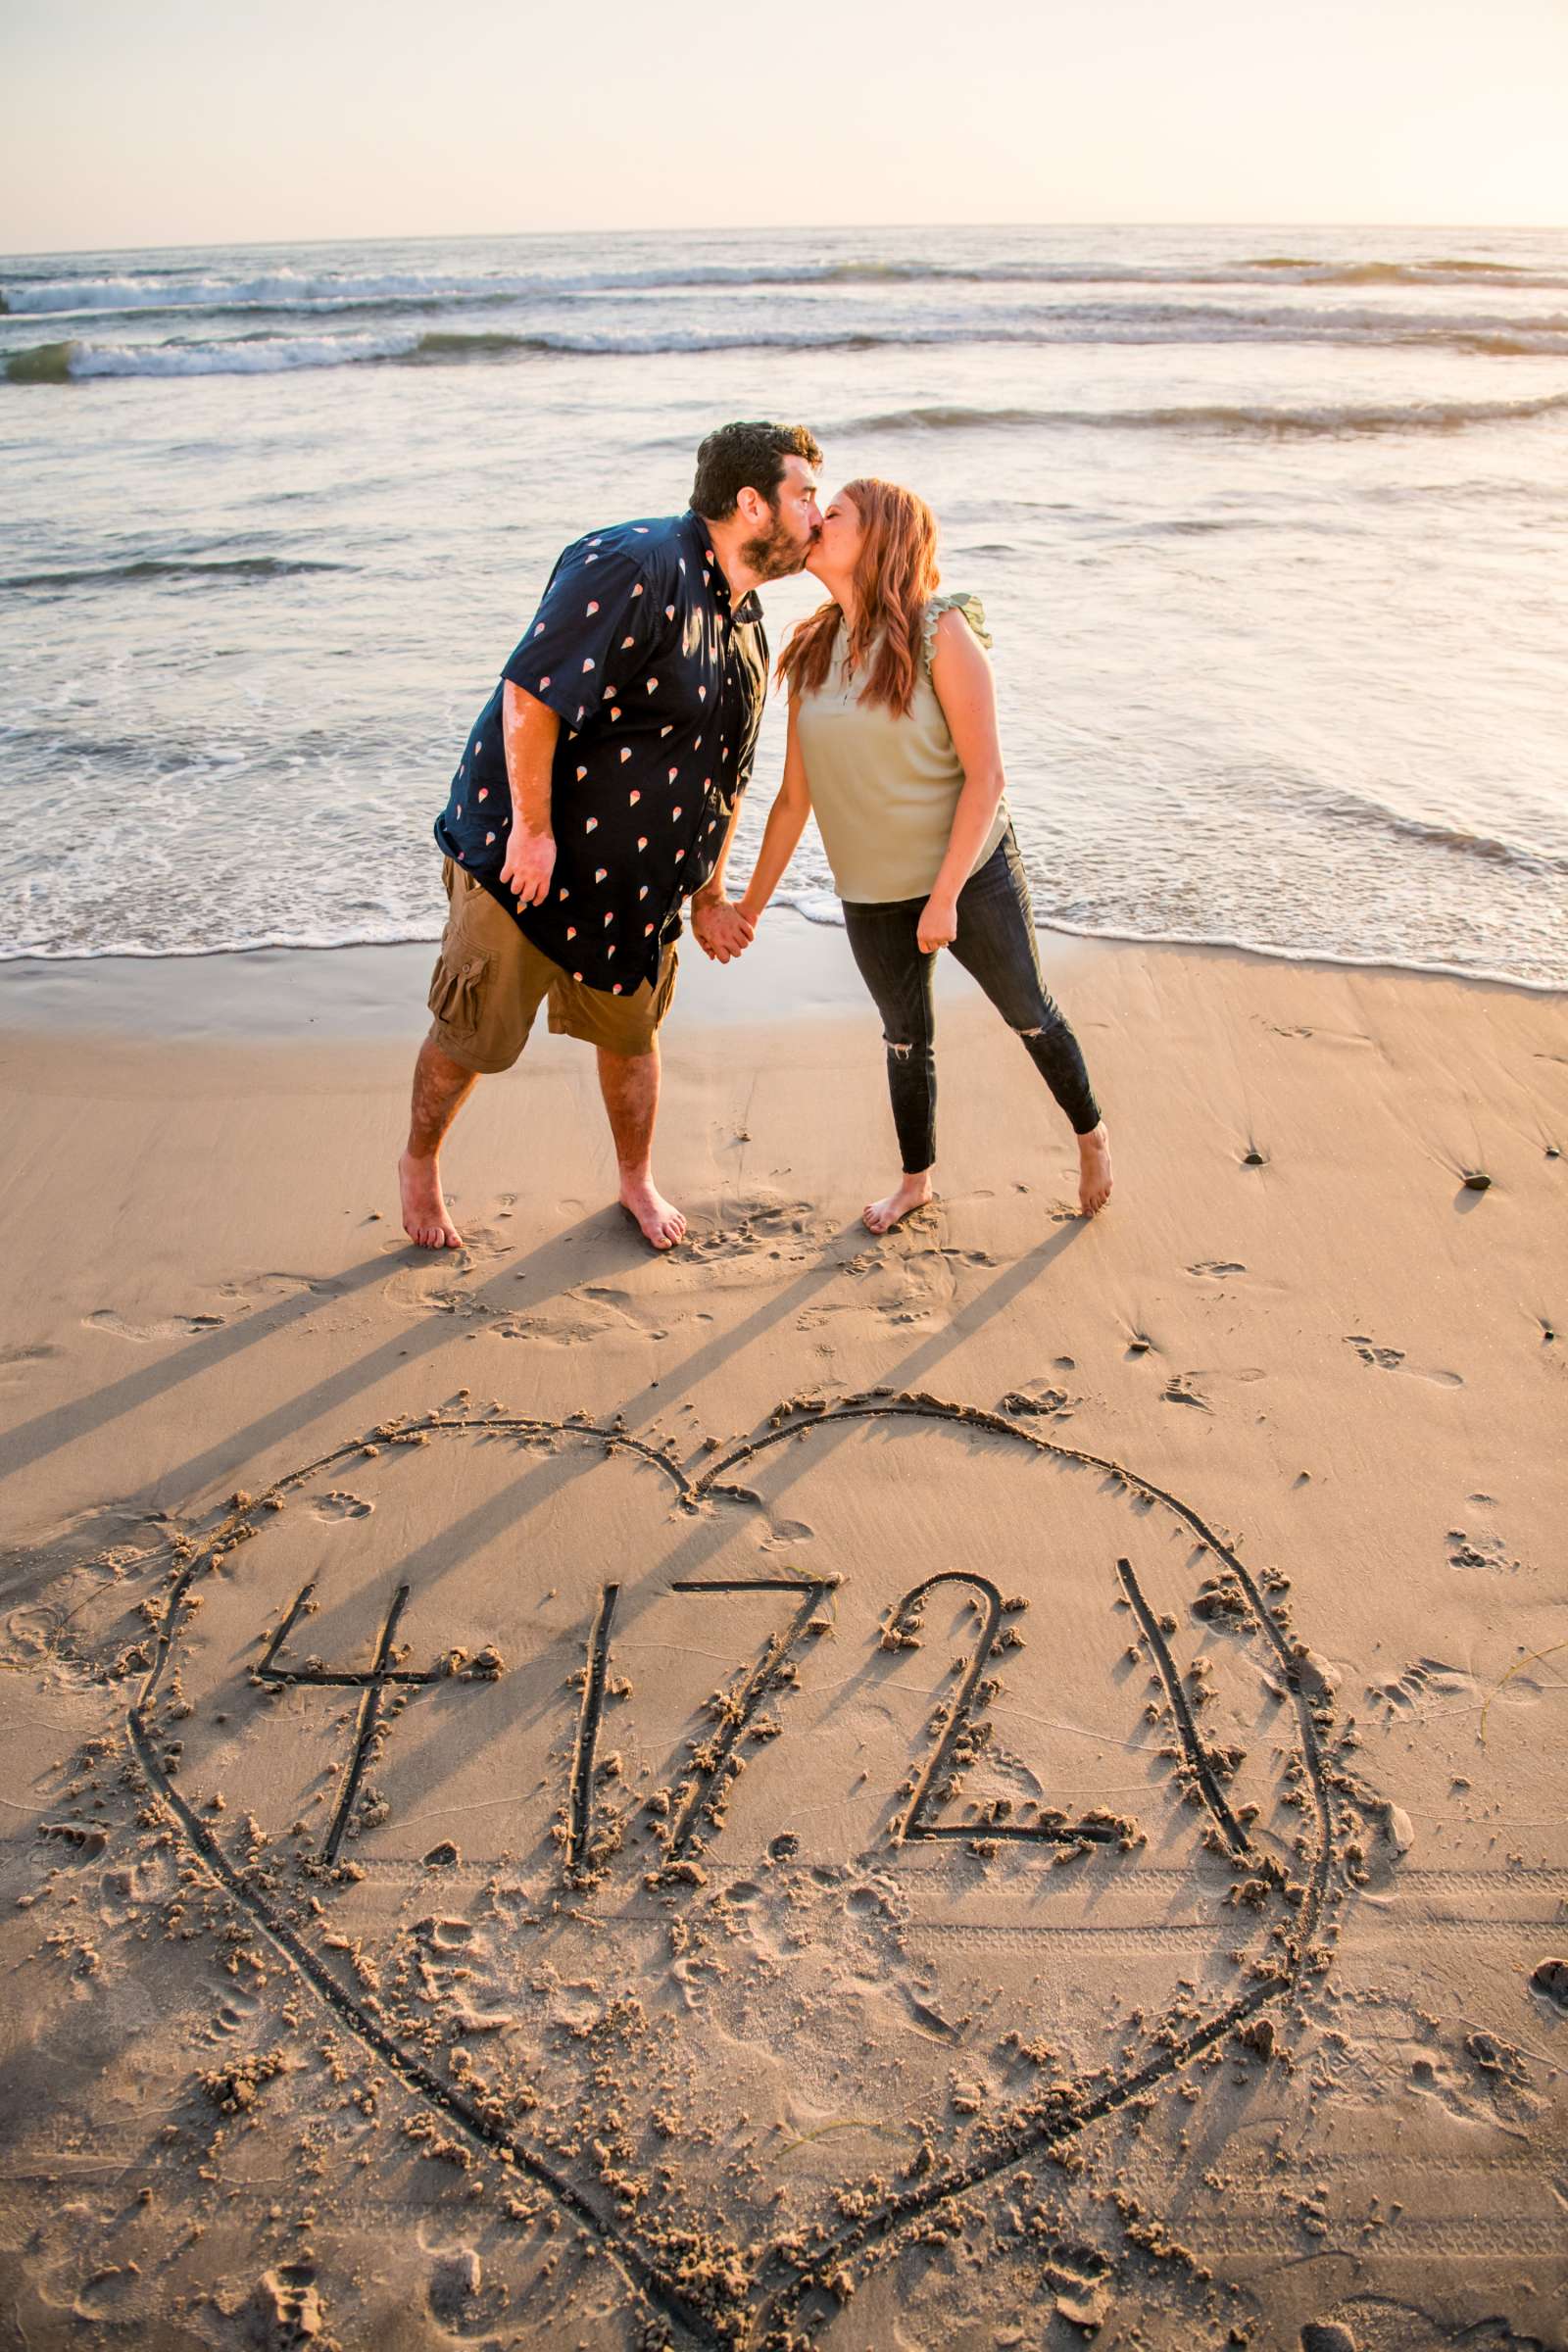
(499, 1847)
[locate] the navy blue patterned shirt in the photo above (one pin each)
(658, 680)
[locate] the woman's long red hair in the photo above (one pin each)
(895, 577)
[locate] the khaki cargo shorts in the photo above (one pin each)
(490, 981)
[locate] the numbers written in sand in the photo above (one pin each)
(688, 1817)
(386, 1673)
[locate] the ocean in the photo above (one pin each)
(1271, 527)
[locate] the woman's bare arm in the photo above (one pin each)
(964, 687)
(786, 823)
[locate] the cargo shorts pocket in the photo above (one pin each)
(665, 988)
(457, 992)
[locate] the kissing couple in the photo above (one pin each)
(599, 790)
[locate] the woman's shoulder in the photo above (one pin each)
(972, 609)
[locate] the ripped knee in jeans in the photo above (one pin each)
(900, 1052)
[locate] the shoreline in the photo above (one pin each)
(795, 968)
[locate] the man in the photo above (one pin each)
(598, 789)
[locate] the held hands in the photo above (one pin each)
(721, 929)
(529, 862)
(938, 925)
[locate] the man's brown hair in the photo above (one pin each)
(746, 457)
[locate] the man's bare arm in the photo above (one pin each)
(528, 729)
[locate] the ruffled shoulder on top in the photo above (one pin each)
(974, 611)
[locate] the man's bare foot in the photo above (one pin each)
(1093, 1170)
(880, 1216)
(662, 1224)
(424, 1208)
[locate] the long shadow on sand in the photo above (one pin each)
(65, 1424)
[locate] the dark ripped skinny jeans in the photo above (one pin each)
(995, 945)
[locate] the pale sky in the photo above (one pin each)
(133, 123)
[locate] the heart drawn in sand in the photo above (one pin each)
(665, 1820)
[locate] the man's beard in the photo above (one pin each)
(775, 553)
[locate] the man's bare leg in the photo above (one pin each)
(629, 1084)
(441, 1085)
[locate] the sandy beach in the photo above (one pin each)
(998, 1787)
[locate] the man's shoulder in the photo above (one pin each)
(652, 545)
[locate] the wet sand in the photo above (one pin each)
(996, 1786)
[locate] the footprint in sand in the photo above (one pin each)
(784, 1533)
(1424, 1685)
(1480, 1552)
(127, 1887)
(574, 1319)
(164, 1327)
(1327, 1037)
(1387, 1360)
(752, 1239)
(1038, 1397)
(445, 1934)
(341, 1505)
(1549, 1978)
(1215, 1269)
(240, 1299)
(460, 2303)
(1393, 1359)
(233, 2013)
(1492, 2086)
(286, 2308)
(277, 1285)
(108, 2293)
(1177, 1391)
(415, 1291)
(84, 1838)
(960, 1258)
(451, 1968)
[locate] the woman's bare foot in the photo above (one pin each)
(661, 1223)
(1093, 1170)
(424, 1209)
(880, 1216)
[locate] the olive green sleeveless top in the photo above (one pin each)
(884, 787)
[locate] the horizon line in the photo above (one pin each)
(772, 229)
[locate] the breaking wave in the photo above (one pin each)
(1335, 419)
(1361, 811)
(172, 568)
(328, 290)
(265, 353)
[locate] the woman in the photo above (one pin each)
(893, 742)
